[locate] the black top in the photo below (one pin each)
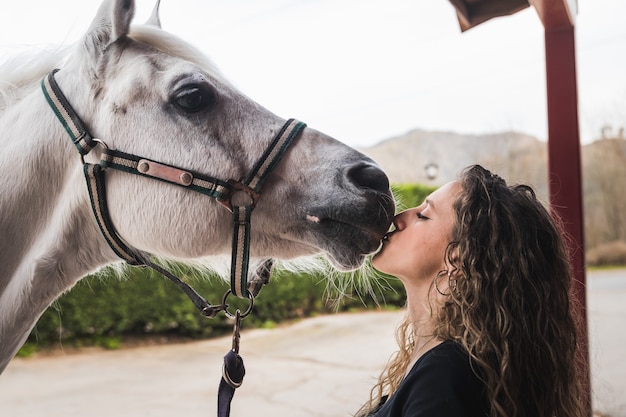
(440, 384)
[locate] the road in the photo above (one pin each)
(606, 307)
(319, 367)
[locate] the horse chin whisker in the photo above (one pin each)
(313, 264)
(364, 283)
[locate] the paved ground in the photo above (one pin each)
(606, 305)
(319, 367)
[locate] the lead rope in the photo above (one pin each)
(233, 369)
(239, 197)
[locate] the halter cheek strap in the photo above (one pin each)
(240, 197)
(242, 212)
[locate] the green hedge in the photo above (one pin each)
(105, 308)
(410, 195)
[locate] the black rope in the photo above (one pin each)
(207, 309)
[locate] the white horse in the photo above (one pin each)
(146, 92)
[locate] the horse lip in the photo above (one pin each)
(349, 234)
(357, 240)
(376, 232)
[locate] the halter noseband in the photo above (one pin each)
(238, 196)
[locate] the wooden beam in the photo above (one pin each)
(556, 14)
(564, 166)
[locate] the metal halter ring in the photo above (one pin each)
(241, 315)
(98, 142)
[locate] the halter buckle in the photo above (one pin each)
(239, 195)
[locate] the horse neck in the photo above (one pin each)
(48, 237)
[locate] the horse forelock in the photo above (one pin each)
(172, 45)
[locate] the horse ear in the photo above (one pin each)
(123, 12)
(111, 23)
(154, 19)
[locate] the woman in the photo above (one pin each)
(488, 329)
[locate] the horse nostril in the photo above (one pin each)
(365, 175)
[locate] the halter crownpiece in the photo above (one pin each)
(240, 197)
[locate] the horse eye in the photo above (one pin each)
(193, 99)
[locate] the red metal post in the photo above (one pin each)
(564, 167)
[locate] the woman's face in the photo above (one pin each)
(415, 249)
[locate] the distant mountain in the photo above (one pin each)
(517, 157)
(604, 190)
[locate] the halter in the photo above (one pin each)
(238, 196)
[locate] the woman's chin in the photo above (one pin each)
(378, 261)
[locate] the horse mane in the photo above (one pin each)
(20, 72)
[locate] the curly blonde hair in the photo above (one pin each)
(508, 305)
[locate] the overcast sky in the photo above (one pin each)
(366, 70)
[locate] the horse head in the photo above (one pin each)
(142, 90)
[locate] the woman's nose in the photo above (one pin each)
(400, 220)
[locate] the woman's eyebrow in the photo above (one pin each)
(430, 203)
